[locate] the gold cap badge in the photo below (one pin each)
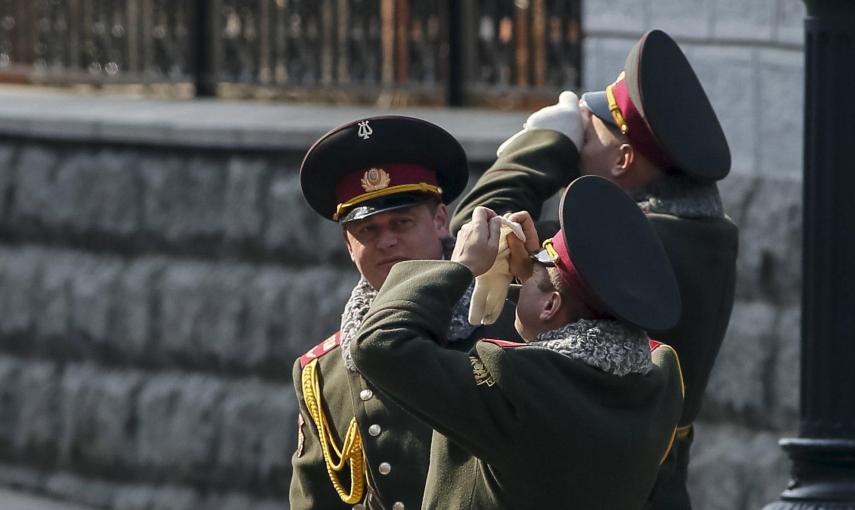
(375, 179)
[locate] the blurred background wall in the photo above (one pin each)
(159, 270)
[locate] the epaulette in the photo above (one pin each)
(679, 432)
(655, 344)
(504, 344)
(321, 349)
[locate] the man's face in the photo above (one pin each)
(532, 301)
(379, 241)
(600, 150)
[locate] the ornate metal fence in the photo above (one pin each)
(434, 51)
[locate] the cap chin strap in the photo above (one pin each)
(634, 125)
(392, 190)
(613, 106)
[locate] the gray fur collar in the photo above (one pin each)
(609, 345)
(682, 196)
(363, 295)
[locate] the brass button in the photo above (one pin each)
(398, 506)
(385, 468)
(374, 430)
(366, 394)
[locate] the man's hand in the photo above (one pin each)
(478, 241)
(564, 117)
(518, 261)
(532, 244)
(491, 287)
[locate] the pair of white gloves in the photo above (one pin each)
(491, 288)
(563, 116)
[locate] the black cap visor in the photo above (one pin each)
(384, 204)
(598, 104)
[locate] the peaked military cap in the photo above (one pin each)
(659, 104)
(379, 164)
(611, 259)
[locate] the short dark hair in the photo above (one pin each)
(553, 282)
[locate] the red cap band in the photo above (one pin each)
(638, 131)
(574, 280)
(381, 177)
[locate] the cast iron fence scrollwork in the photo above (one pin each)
(95, 41)
(494, 52)
(525, 47)
(301, 43)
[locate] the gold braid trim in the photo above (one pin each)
(401, 188)
(351, 449)
(614, 109)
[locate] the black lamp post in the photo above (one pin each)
(823, 456)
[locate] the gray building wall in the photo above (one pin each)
(160, 272)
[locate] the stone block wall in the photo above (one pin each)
(153, 302)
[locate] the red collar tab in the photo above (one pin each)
(504, 344)
(321, 349)
(381, 177)
(635, 127)
(574, 280)
(654, 344)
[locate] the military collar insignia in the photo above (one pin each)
(365, 130)
(375, 179)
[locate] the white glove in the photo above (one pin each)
(563, 116)
(491, 288)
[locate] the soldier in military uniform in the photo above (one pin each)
(582, 414)
(653, 133)
(387, 181)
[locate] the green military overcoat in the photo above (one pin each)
(702, 253)
(519, 427)
(395, 445)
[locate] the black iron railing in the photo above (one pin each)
(425, 51)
